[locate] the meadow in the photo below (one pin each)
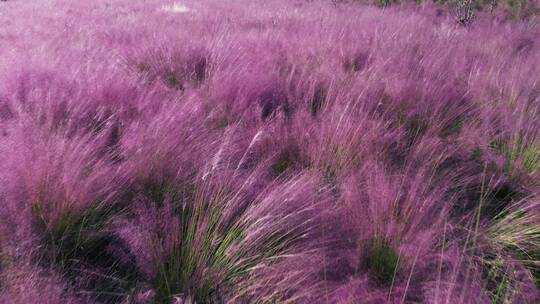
(268, 151)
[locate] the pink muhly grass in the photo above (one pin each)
(266, 152)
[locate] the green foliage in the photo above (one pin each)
(280, 166)
(212, 254)
(521, 154)
(499, 282)
(476, 154)
(80, 238)
(466, 8)
(385, 3)
(383, 261)
(158, 192)
(173, 81)
(287, 159)
(517, 6)
(416, 127)
(200, 248)
(516, 232)
(72, 234)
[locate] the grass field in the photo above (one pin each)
(268, 151)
